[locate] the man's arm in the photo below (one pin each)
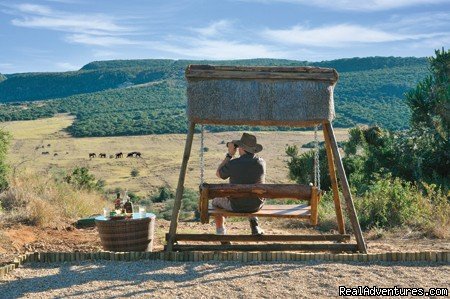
(225, 161)
(230, 154)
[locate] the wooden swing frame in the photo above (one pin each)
(310, 193)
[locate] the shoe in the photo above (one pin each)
(256, 230)
(221, 231)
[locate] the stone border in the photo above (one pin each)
(196, 256)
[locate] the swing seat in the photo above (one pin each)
(272, 191)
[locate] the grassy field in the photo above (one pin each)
(161, 154)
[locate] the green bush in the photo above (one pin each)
(189, 206)
(164, 193)
(5, 139)
(391, 202)
(82, 179)
(134, 173)
(301, 167)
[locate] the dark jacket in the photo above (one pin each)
(247, 169)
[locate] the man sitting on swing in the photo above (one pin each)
(247, 169)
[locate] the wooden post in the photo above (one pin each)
(346, 190)
(334, 183)
(314, 203)
(180, 187)
(204, 217)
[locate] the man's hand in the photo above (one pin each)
(231, 149)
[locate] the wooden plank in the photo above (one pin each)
(296, 191)
(346, 190)
(258, 238)
(246, 73)
(340, 247)
(334, 183)
(180, 187)
(295, 211)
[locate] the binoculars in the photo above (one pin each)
(235, 145)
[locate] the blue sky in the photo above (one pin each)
(62, 35)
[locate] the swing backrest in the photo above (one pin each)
(272, 191)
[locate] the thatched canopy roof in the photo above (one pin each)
(284, 96)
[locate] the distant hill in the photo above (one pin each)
(129, 97)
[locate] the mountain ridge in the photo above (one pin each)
(370, 91)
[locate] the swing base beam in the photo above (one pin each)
(259, 238)
(339, 247)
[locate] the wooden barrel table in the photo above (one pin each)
(134, 234)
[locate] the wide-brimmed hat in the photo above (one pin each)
(248, 143)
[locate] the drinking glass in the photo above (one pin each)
(106, 212)
(142, 211)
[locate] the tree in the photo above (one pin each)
(430, 120)
(5, 139)
(301, 167)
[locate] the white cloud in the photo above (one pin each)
(357, 5)
(66, 66)
(96, 40)
(40, 16)
(419, 22)
(105, 54)
(215, 28)
(340, 35)
(206, 48)
(34, 9)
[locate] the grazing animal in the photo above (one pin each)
(138, 154)
(55, 154)
(48, 145)
(102, 155)
(45, 153)
(119, 155)
(130, 155)
(92, 155)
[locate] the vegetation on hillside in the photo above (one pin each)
(136, 97)
(400, 178)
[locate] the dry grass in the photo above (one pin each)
(42, 201)
(40, 128)
(161, 154)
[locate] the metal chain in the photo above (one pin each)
(202, 158)
(316, 160)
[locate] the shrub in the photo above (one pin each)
(164, 193)
(134, 173)
(5, 139)
(133, 197)
(301, 167)
(43, 201)
(82, 179)
(392, 202)
(189, 206)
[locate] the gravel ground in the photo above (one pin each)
(161, 279)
